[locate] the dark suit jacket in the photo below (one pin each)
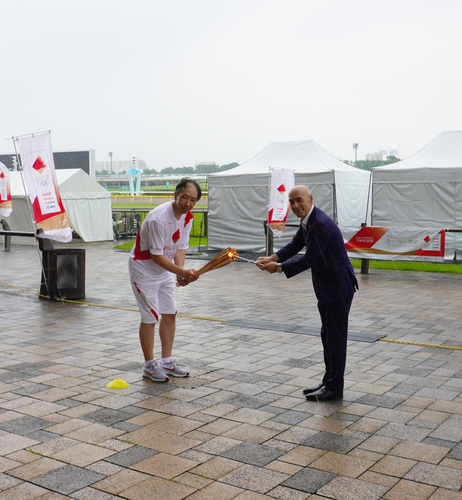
(331, 270)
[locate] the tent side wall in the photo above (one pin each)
(352, 197)
(91, 219)
(420, 197)
(88, 206)
(20, 218)
(238, 207)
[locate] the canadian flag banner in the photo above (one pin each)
(6, 205)
(394, 243)
(282, 181)
(42, 186)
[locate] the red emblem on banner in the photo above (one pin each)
(282, 188)
(2, 175)
(427, 239)
(39, 165)
(176, 236)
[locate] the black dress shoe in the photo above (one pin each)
(324, 394)
(313, 389)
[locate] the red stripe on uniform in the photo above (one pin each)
(140, 254)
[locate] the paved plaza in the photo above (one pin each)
(238, 427)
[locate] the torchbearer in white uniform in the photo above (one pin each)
(156, 263)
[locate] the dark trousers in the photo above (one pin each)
(334, 335)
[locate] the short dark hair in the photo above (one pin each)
(184, 182)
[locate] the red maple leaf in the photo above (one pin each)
(176, 236)
(39, 165)
(282, 188)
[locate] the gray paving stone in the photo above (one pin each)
(67, 479)
(31, 389)
(405, 432)
(249, 378)
(9, 377)
(275, 410)
(254, 454)
(157, 389)
(280, 378)
(69, 402)
(25, 425)
(254, 402)
(42, 436)
(439, 442)
(131, 456)
(107, 416)
(382, 401)
(346, 488)
(456, 452)
(406, 389)
(7, 482)
(345, 417)
(436, 475)
(309, 480)
(300, 363)
(290, 417)
(332, 442)
(254, 478)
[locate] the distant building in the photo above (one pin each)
(63, 160)
(383, 154)
(389, 152)
(117, 166)
(374, 156)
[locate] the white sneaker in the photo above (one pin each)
(173, 369)
(154, 372)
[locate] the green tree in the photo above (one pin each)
(369, 164)
(227, 167)
(206, 169)
(167, 170)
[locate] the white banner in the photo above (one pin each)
(282, 181)
(42, 186)
(394, 243)
(6, 205)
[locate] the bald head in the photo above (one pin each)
(301, 201)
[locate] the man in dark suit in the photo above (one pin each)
(334, 284)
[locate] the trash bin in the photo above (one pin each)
(63, 273)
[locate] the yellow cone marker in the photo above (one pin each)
(117, 384)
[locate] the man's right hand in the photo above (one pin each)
(190, 275)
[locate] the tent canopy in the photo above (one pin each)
(301, 156)
(424, 190)
(238, 197)
(87, 204)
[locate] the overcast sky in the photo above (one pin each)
(176, 82)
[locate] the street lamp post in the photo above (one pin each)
(355, 147)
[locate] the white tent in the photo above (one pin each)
(424, 190)
(87, 204)
(238, 197)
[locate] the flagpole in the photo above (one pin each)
(268, 229)
(28, 135)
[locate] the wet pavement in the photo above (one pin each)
(238, 427)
